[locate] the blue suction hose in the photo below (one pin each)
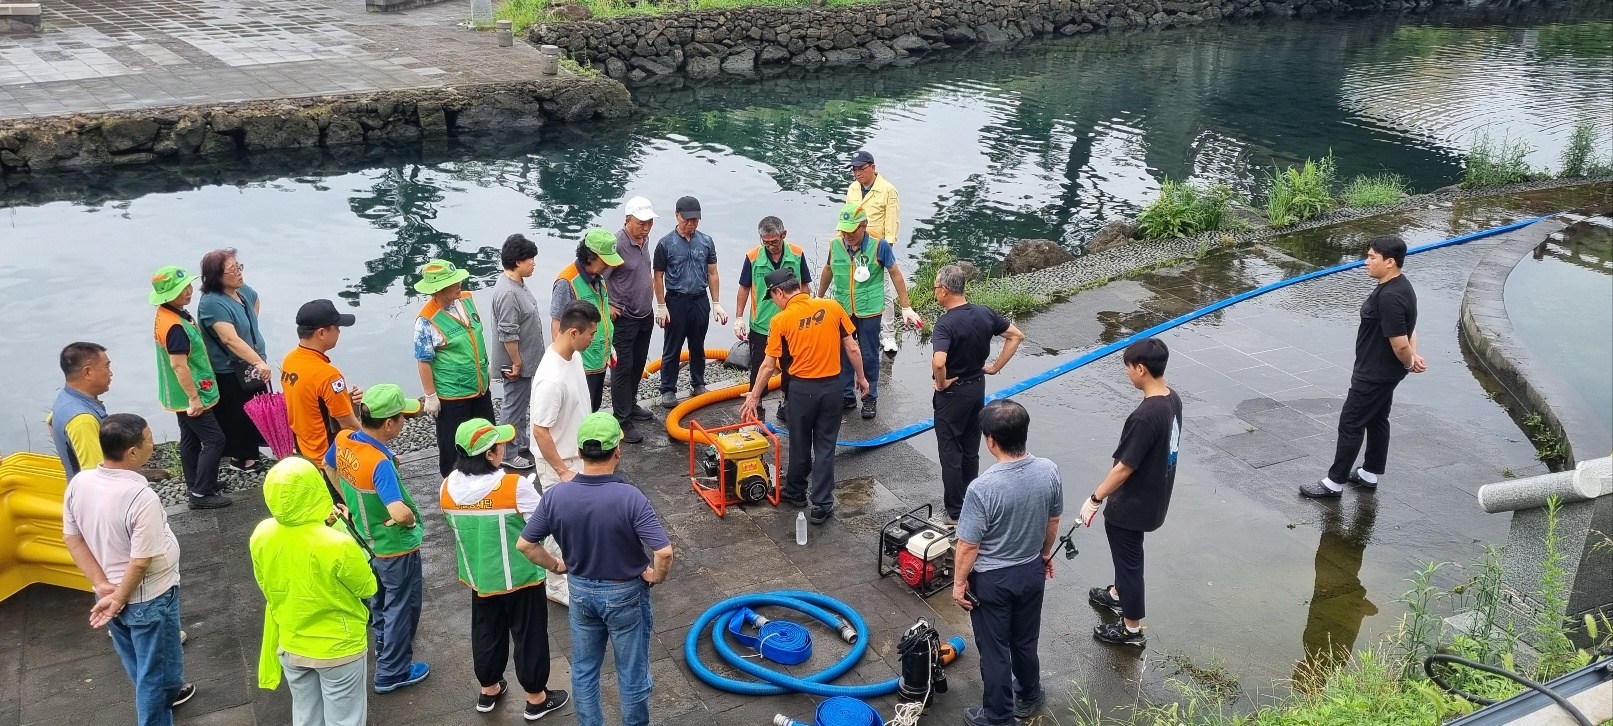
(837, 615)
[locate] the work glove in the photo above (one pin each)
(741, 328)
(662, 317)
(910, 318)
(1089, 509)
(720, 314)
(431, 404)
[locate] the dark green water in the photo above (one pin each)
(1048, 140)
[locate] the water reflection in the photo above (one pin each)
(404, 204)
(1339, 601)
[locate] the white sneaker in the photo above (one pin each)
(518, 462)
(888, 342)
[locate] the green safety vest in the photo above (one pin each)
(459, 369)
(355, 471)
(864, 299)
(485, 533)
(761, 320)
(595, 357)
(169, 392)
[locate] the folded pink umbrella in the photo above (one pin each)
(268, 412)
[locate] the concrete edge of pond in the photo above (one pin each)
(1486, 332)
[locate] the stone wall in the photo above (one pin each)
(20, 18)
(385, 117)
(708, 43)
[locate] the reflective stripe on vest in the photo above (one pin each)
(864, 299)
(459, 370)
(485, 536)
(355, 472)
(595, 357)
(169, 392)
(763, 309)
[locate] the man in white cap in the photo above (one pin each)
(632, 309)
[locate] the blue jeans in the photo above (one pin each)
(146, 637)
(868, 343)
(619, 612)
(395, 613)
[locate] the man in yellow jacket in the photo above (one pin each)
(315, 578)
(878, 199)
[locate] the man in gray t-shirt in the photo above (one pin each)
(1005, 557)
(520, 342)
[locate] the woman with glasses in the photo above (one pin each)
(229, 317)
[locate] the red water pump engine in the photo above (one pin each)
(918, 549)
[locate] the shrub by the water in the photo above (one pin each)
(1379, 190)
(1492, 163)
(1183, 210)
(1301, 192)
(1579, 157)
(1008, 296)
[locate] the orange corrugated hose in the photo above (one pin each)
(674, 420)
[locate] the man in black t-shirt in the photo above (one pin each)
(962, 341)
(1138, 488)
(1385, 351)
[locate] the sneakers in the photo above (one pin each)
(183, 637)
(781, 413)
(1318, 490)
(1026, 709)
(240, 466)
(1356, 480)
(1117, 634)
(486, 703)
(699, 391)
(975, 716)
(819, 515)
(518, 462)
(185, 692)
(209, 501)
(1101, 596)
(669, 400)
(641, 413)
(848, 403)
(563, 599)
(951, 521)
(797, 503)
(870, 408)
(554, 702)
(417, 673)
(630, 432)
(888, 342)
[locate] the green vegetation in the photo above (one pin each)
(1378, 190)
(1301, 192)
(584, 68)
(1009, 296)
(1183, 210)
(1579, 157)
(524, 13)
(1492, 163)
(1549, 447)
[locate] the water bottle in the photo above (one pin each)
(800, 528)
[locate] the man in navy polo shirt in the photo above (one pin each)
(685, 267)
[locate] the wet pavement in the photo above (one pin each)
(1244, 573)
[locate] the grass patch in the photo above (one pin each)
(1378, 190)
(1549, 447)
(1493, 163)
(1579, 157)
(1009, 296)
(1183, 210)
(1300, 192)
(585, 69)
(525, 13)
(522, 14)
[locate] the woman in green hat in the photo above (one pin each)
(450, 352)
(187, 386)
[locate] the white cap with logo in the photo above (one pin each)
(639, 208)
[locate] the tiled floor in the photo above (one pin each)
(99, 55)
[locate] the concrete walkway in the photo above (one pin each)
(100, 55)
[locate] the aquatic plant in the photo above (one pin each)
(1579, 157)
(1184, 210)
(1492, 163)
(1378, 190)
(1008, 296)
(1300, 192)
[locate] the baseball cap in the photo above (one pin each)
(322, 314)
(168, 283)
(385, 400)
(478, 435)
(778, 277)
(438, 274)
(603, 244)
(639, 208)
(600, 432)
(860, 158)
(688, 208)
(851, 215)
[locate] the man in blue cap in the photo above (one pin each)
(870, 191)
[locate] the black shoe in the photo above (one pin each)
(210, 501)
(185, 692)
(975, 716)
(1356, 480)
(1100, 596)
(819, 515)
(870, 408)
(1026, 709)
(1117, 634)
(630, 432)
(555, 701)
(1318, 490)
(848, 403)
(781, 413)
(641, 413)
(486, 703)
(797, 503)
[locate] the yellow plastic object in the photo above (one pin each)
(31, 547)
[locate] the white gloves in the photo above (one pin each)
(431, 404)
(910, 318)
(720, 314)
(1089, 509)
(741, 328)
(662, 317)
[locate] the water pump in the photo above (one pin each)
(919, 550)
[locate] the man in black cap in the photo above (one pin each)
(806, 340)
(319, 401)
(878, 200)
(685, 268)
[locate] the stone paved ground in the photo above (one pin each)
(1244, 572)
(99, 55)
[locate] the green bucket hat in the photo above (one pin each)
(851, 215)
(478, 435)
(599, 431)
(385, 400)
(438, 274)
(603, 244)
(168, 283)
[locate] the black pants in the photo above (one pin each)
(1366, 412)
(957, 435)
(454, 413)
(1007, 625)
(814, 421)
(758, 353)
(631, 340)
(691, 315)
(1126, 549)
(201, 446)
(241, 438)
(596, 388)
(522, 615)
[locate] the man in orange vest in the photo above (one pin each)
(450, 352)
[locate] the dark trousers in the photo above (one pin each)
(868, 345)
(690, 316)
(957, 435)
(395, 613)
(814, 421)
(494, 620)
(1365, 413)
(1126, 549)
(1007, 625)
(758, 353)
(631, 340)
(596, 388)
(453, 414)
(241, 437)
(201, 446)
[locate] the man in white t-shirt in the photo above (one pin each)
(560, 402)
(115, 529)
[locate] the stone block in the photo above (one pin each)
(128, 134)
(740, 63)
(773, 54)
(702, 67)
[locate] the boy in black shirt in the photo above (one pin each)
(1138, 488)
(1385, 351)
